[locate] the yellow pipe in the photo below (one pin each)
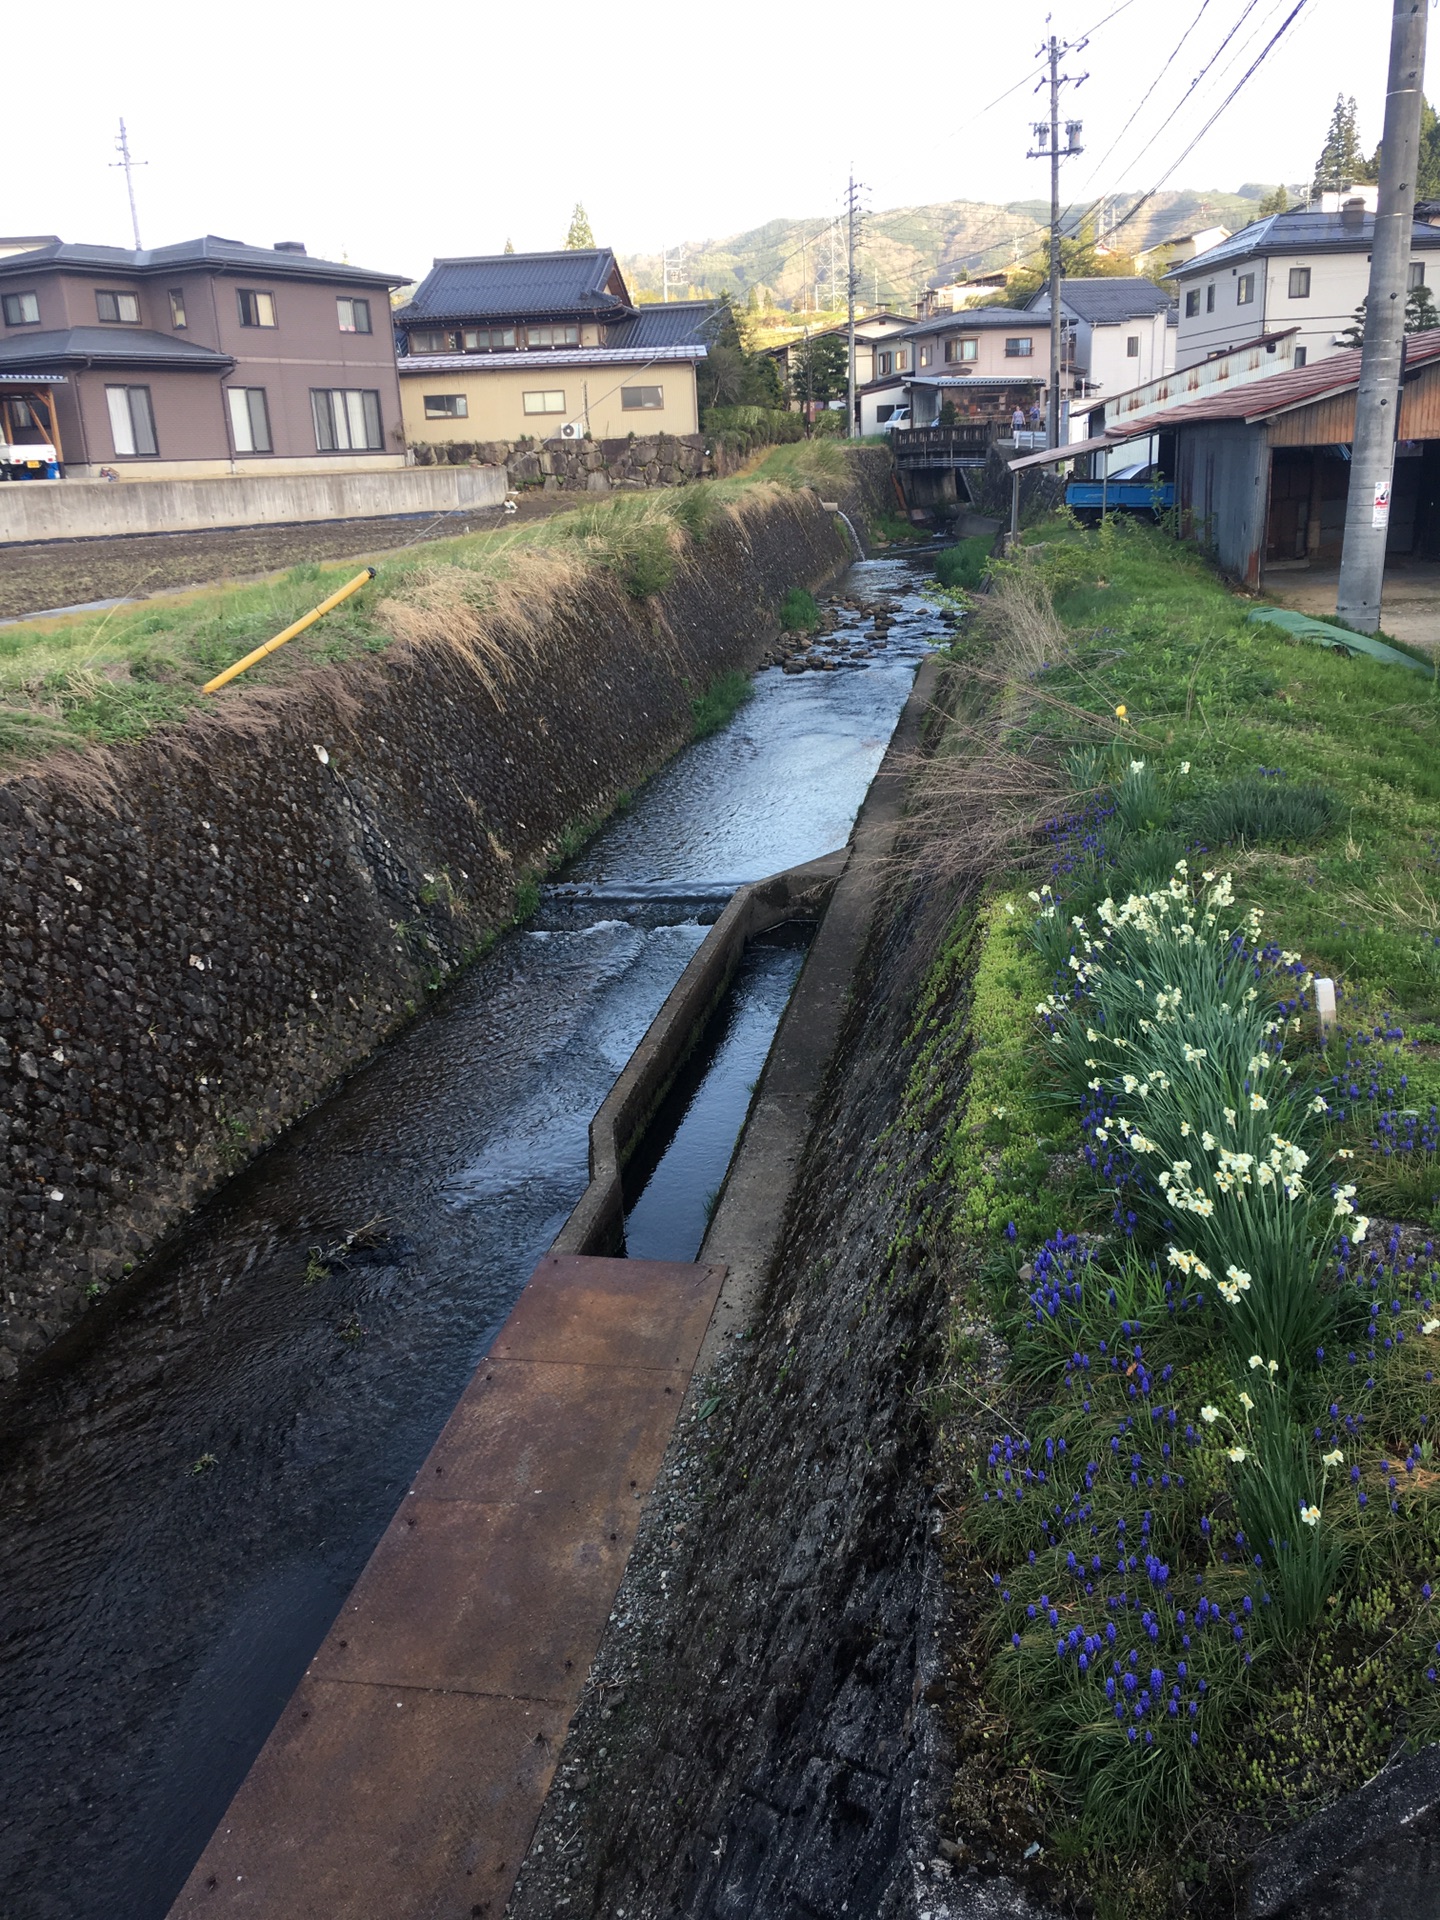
(232, 673)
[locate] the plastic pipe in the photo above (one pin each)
(307, 620)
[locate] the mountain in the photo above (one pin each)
(907, 248)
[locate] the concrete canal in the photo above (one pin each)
(189, 1493)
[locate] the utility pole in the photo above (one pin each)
(852, 233)
(122, 147)
(1047, 146)
(1377, 399)
(665, 273)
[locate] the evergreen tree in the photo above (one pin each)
(580, 234)
(1427, 171)
(509, 245)
(1421, 316)
(1277, 201)
(1341, 162)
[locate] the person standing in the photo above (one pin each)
(1017, 420)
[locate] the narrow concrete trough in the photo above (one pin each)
(405, 1776)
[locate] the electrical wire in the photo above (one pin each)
(1170, 61)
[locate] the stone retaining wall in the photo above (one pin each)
(204, 930)
(650, 460)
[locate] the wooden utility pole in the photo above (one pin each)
(128, 162)
(1047, 145)
(1377, 400)
(852, 232)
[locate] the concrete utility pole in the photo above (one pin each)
(122, 147)
(852, 229)
(1377, 401)
(1047, 145)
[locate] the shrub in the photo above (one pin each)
(798, 611)
(964, 565)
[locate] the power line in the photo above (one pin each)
(1170, 61)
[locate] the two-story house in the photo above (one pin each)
(985, 362)
(1301, 274)
(1118, 332)
(198, 359)
(871, 330)
(510, 346)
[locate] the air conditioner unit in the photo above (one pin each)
(573, 430)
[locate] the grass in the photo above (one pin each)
(964, 564)
(721, 701)
(799, 612)
(110, 678)
(1191, 1409)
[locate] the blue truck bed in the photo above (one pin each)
(1143, 494)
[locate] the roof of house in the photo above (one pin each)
(1301, 231)
(667, 323)
(209, 251)
(969, 318)
(573, 280)
(889, 324)
(109, 346)
(1279, 392)
(1107, 301)
(545, 359)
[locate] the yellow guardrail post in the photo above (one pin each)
(308, 620)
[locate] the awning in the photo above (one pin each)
(958, 380)
(35, 379)
(1051, 456)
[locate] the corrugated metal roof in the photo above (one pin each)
(112, 346)
(209, 251)
(540, 360)
(1299, 232)
(1106, 302)
(570, 281)
(1259, 399)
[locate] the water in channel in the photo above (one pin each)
(186, 1498)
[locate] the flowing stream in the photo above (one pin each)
(187, 1495)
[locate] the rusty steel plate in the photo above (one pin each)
(598, 1312)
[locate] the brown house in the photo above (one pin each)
(210, 357)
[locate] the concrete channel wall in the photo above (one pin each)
(104, 509)
(205, 930)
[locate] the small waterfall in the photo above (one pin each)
(833, 506)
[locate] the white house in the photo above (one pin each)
(1305, 271)
(1119, 331)
(1180, 247)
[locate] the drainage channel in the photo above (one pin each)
(187, 1495)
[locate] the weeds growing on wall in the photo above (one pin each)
(1199, 1471)
(721, 701)
(799, 612)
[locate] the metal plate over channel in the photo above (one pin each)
(403, 1780)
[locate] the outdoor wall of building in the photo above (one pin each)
(1111, 368)
(495, 401)
(1338, 283)
(1222, 487)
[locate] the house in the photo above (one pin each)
(870, 329)
(209, 357)
(1118, 332)
(957, 295)
(1262, 469)
(509, 346)
(985, 362)
(1180, 248)
(1307, 271)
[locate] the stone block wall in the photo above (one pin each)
(640, 460)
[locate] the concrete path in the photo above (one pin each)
(404, 1778)
(1410, 607)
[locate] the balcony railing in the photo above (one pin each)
(967, 444)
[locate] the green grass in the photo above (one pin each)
(721, 701)
(108, 678)
(1183, 732)
(964, 564)
(799, 612)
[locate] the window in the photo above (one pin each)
(345, 418)
(902, 360)
(1210, 298)
(354, 315)
(429, 342)
(1192, 303)
(488, 339)
(552, 336)
(636, 399)
(961, 349)
(1417, 274)
(1019, 349)
(121, 307)
(1299, 283)
(446, 406)
(132, 423)
(884, 363)
(926, 354)
(22, 310)
(1245, 290)
(249, 419)
(256, 309)
(1132, 346)
(552, 401)
(1302, 354)
(177, 307)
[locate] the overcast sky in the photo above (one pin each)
(391, 134)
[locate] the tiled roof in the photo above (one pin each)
(109, 346)
(971, 319)
(673, 323)
(1299, 232)
(210, 251)
(538, 360)
(1277, 392)
(1107, 301)
(571, 281)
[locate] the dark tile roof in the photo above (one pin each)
(1107, 301)
(108, 346)
(516, 285)
(968, 320)
(673, 323)
(1299, 232)
(210, 251)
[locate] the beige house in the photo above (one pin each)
(545, 347)
(985, 362)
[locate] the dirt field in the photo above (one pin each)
(67, 573)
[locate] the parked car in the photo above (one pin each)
(901, 417)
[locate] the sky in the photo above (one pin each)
(388, 138)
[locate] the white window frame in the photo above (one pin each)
(547, 400)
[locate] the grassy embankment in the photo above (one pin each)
(113, 676)
(1189, 1401)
